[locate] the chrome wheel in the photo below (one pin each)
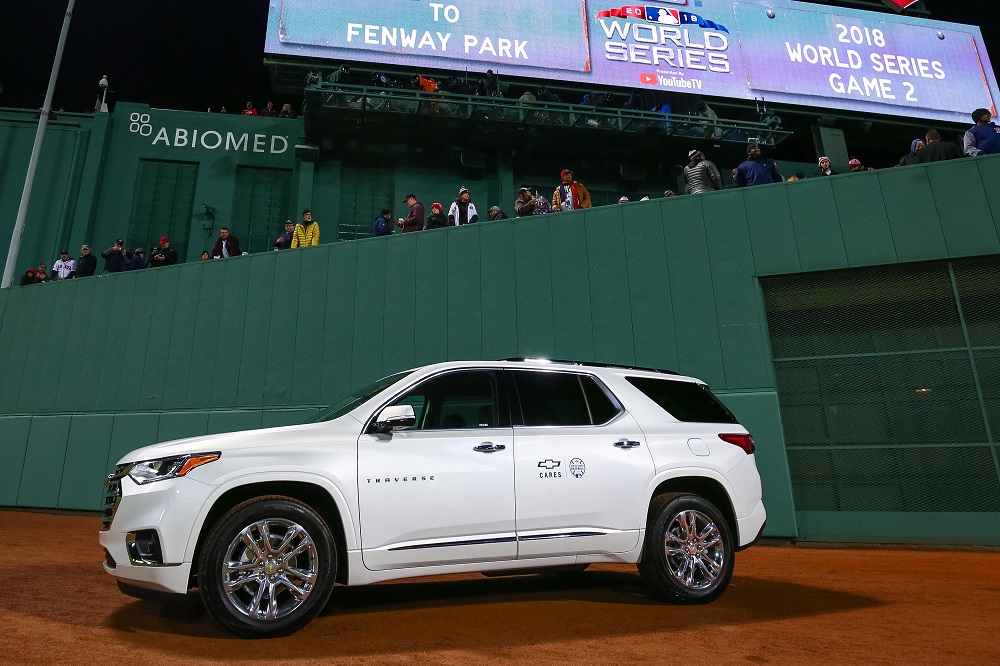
(695, 550)
(270, 569)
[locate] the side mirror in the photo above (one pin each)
(394, 418)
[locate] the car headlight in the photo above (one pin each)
(148, 471)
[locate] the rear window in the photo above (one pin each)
(685, 401)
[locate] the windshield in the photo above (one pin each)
(352, 401)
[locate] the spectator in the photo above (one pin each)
(798, 176)
(701, 175)
(286, 111)
(492, 88)
(205, 256)
(226, 245)
(65, 267)
(383, 223)
(495, 214)
(984, 137)
(913, 157)
(856, 166)
(524, 204)
(414, 220)
(937, 150)
(732, 183)
(418, 82)
(623, 199)
(437, 219)
(163, 255)
(42, 274)
(570, 195)
(825, 169)
(756, 170)
(136, 261)
(306, 232)
(528, 96)
(28, 277)
(269, 111)
(223, 109)
(462, 210)
(669, 193)
(114, 258)
(284, 241)
(87, 263)
(249, 111)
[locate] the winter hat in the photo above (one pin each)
(913, 145)
(436, 205)
(751, 145)
(823, 158)
(644, 199)
(978, 113)
(463, 190)
(854, 162)
(669, 193)
(30, 271)
(624, 199)
(692, 153)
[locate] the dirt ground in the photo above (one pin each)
(786, 605)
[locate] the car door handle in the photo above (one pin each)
(626, 443)
(489, 447)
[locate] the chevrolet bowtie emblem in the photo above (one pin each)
(550, 464)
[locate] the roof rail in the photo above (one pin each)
(559, 361)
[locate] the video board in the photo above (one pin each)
(781, 50)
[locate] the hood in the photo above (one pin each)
(339, 432)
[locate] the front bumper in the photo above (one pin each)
(170, 508)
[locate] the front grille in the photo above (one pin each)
(113, 494)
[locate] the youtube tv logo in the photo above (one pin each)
(900, 5)
(647, 79)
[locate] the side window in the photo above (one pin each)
(562, 399)
(454, 401)
(685, 401)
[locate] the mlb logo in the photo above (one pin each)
(663, 16)
(647, 79)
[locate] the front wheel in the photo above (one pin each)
(688, 554)
(267, 568)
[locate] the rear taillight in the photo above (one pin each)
(744, 441)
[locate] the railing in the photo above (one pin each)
(372, 101)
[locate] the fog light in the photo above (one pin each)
(144, 548)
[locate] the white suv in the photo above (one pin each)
(463, 466)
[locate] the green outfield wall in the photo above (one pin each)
(93, 368)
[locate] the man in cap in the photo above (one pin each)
(114, 258)
(383, 223)
(570, 195)
(414, 220)
(65, 267)
(756, 170)
(87, 263)
(496, 214)
(284, 241)
(701, 175)
(462, 210)
(984, 137)
(163, 255)
(527, 204)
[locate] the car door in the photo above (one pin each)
(441, 491)
(581, 466)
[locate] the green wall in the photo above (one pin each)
(96, 367)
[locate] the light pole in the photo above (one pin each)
(102, 106)
(29, 179)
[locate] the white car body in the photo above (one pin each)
(426, 502)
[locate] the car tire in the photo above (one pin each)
(688, 552)
(267, 567)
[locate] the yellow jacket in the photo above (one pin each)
(306, 236)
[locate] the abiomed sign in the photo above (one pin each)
(179, 137)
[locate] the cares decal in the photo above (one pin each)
(577, 468)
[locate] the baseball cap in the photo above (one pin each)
(854, 162)
(63, 251)
(564, 172)
(411, 195)
(164, 240)
(120, 241)
(84, 247)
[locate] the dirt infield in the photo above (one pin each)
(786, 605)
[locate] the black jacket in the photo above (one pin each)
(938, 151)
(86, 265)
(162, 256)
(114, 260)
(436, 221)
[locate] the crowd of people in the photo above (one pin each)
(700, 175)
(267, 111)
(119, 259)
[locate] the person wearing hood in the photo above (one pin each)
(462, 210)
(306, 232)
(437, 219)
(825, 168)
(28, 277)
(913, 156)
(701, 175)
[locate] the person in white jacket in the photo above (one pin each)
(462, 210)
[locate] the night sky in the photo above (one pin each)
(192, 55)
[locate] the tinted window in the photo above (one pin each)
(685, 401)
(562, 399)
(454, 401)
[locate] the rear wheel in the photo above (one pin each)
(688, 554)
(267, 568)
